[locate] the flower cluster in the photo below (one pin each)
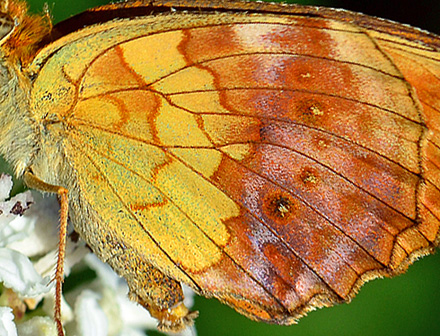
(28, 250)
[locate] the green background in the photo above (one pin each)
(406, 305)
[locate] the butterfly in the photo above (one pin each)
(276, 171)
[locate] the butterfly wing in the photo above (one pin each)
(274, 162)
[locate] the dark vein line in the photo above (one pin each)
(190, 219)
(267, 143)
(312, 207)
(343, 177)
(318, 130)
(434, 185)
(319, 163)
(132, 214)
(434, 144)
(344, 139)
(420, 64)
(434, 163)
(431, 106)
(261, 222)
(399, 135)
(269, 228)
(295, 195)
(424, 130)
(432, 243)
(433, 215)
(309, 204)
(231, 24)
(166, 95)
(408, 49)
(205, 63)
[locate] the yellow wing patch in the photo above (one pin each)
(155, 56)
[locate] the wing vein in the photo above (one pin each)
(129, 210)
(189, 218)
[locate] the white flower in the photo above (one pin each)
(17, 272)
(7, 326)
(109, 302)
(13, 227)
(37, 326)
(100, 307)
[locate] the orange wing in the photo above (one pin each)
(276, 171)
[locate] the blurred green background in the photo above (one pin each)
(406, 305)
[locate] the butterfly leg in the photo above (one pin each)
(35, 183)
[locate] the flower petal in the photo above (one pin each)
(90, 316)
(43, 237)
(5, 186)
(38, 326)
(13, 226)
(7, 326)
(18, 273)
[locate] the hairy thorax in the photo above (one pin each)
(26, 142)
(18, 130)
